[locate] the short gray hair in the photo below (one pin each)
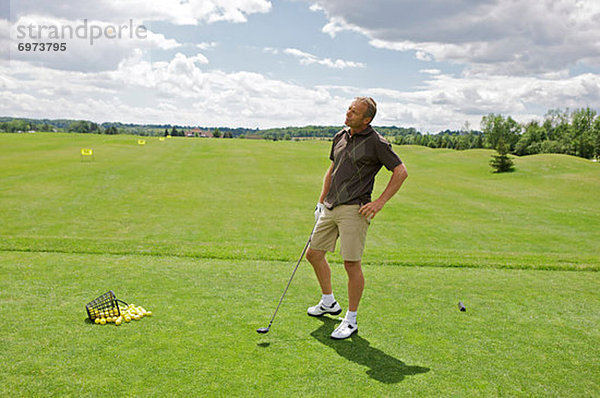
(371, 106)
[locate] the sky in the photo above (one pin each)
(432, 65)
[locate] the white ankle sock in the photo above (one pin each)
(328, 299)
(351, 317)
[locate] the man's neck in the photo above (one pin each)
(354, 130)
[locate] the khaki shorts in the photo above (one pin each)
(348, 224)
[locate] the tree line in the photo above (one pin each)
(573, 132)
(14, 125)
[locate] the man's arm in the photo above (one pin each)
(399, 174)
(326, 184)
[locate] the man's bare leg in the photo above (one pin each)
(321, 267)
(356, 283)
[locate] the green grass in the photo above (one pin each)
(524, 333)
(205, 234)
(232, 199)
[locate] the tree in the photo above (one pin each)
(582, 131)
(463, 141)
(596, 138)
(496, 128)
(551, 146)
(216, 133)
(111, 130)
(556, 124)
(502, 162)
(466, 128)
(478, 141)
(79, 126)
(531, 141)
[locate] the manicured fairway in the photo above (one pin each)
(234, 199)
(524, 332)
(205, 233)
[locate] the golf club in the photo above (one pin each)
(266, 330)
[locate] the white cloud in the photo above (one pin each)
(5, 42)
(178, 91)
(101, 34)
(309, 59)
(207, 45)
(271, 50)
(189, 12)
(516, 56)
(446, 101)
(338, 24)
(492, 36)
(90, 45)
(431, 71)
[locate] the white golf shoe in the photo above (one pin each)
(320, 309)
(345, 330)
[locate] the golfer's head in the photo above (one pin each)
(361, 112)
(369, 106)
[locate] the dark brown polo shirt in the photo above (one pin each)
(356, 161)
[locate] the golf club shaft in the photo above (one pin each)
(293, 273)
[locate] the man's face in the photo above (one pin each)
(355, 116)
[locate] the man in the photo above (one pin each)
(345, 208)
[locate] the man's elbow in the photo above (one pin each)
(401, 171)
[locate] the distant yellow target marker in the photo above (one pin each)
(141, 142)
(87, 154)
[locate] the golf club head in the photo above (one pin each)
(262, 330)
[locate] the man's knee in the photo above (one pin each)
(353, 268)
(314, 256)
(353, 265)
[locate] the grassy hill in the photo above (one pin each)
(205, 233)
(254, 199)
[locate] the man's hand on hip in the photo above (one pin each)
(370, 209)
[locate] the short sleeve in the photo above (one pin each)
(386, 154)
(336, 138)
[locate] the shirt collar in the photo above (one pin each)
(365, 131)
